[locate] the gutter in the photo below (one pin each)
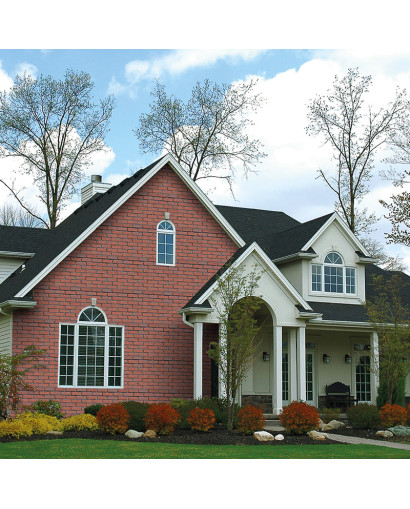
(295, 256)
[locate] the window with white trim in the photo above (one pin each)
(165, 243)
(91, 352)
(333, 276)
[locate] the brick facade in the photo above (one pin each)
(117, 265)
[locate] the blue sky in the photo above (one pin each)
(288, 79)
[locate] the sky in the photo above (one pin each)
(286, 179)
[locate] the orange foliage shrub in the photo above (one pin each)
(250, 419)
(162, 418)
(201, 419)
(113, 418)
(299, 418)
(392, 415)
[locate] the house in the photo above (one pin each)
(120, 296)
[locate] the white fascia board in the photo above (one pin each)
(168, 159)
(18, 304)
(340, 222)
(340, 323)
(15, 254)
(254, 247)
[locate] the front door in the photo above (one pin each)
(310, 378)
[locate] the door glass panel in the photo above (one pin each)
(309, 376)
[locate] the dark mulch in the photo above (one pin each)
(213, 437)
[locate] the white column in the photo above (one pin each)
(276, 370)
(301, 362)
(221, 381)
(293, 374)
(198, 333)
(374, 380)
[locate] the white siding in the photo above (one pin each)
(8, 265)
(6, 334)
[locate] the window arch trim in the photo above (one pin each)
(165, 243)
(92, 309)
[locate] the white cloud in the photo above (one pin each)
(25, 67)
(5, 81)
(174, 63)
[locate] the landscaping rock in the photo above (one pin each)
(134, 434)
(332, 425)
(384, 434)
(321, 424)
(263, 436)
(400, 431)
(279, 437)
(150, 433)
(317, 435)
(56, 433)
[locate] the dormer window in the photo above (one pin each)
(165, 243)
(333, 276)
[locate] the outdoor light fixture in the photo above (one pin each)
(326, 358)
(266, 356)
(348, 359)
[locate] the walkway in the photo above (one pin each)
(274, 426)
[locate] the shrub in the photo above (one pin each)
(40, 423)
(330, 414)
(93, 409)
(49, 407)
(14, 428)
(217, 405)
(250, 419)
(113, 418)
(201, 419)
(408, 414)
(137, 412)
(363, 416)
(299, 417)
(398, 396)
(162, 418)
(392, 415)
(81, 422)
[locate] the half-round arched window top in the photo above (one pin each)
(92, 314)
(165, 243)
(334, 259)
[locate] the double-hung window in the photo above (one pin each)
(333, 277)
(91, 352)
(165, 243)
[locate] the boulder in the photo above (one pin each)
(55, 433)
(317, 435)
(263, 436)
(321, 424)
(332, 425)
(279, 437)
(384, 434)
(400, 431)
(150, 433)
(134, 434)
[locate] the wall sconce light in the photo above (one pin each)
(266, 356)
(326, 358)
(348, 359)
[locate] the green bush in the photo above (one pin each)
(49, 407)
(137, 413)
(363, 416)
(93, 409)
(217, 405)
(398, 396)
(330, 414)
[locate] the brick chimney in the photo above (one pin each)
(95, 186)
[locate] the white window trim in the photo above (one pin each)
(106, 347)
(322, 291)
(174, 243)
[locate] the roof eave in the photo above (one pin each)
(294, 257)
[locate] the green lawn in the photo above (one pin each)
(110, 449)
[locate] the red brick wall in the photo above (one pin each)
(117, 265)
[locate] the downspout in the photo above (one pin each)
(8, 314)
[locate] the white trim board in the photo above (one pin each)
(168, 159)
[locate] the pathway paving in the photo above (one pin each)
(276, 427)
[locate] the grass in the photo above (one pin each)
(108, 449)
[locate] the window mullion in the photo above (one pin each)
(75, 371)
(106, 352)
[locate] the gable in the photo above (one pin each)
(334, 238)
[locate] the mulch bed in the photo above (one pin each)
(214, 437)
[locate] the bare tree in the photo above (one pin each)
(377, 250)
(52, 127)
(355, 133)
(207, 134)
(10, 215)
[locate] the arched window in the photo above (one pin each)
(91, 351)
(165, 243)
(333, 276)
